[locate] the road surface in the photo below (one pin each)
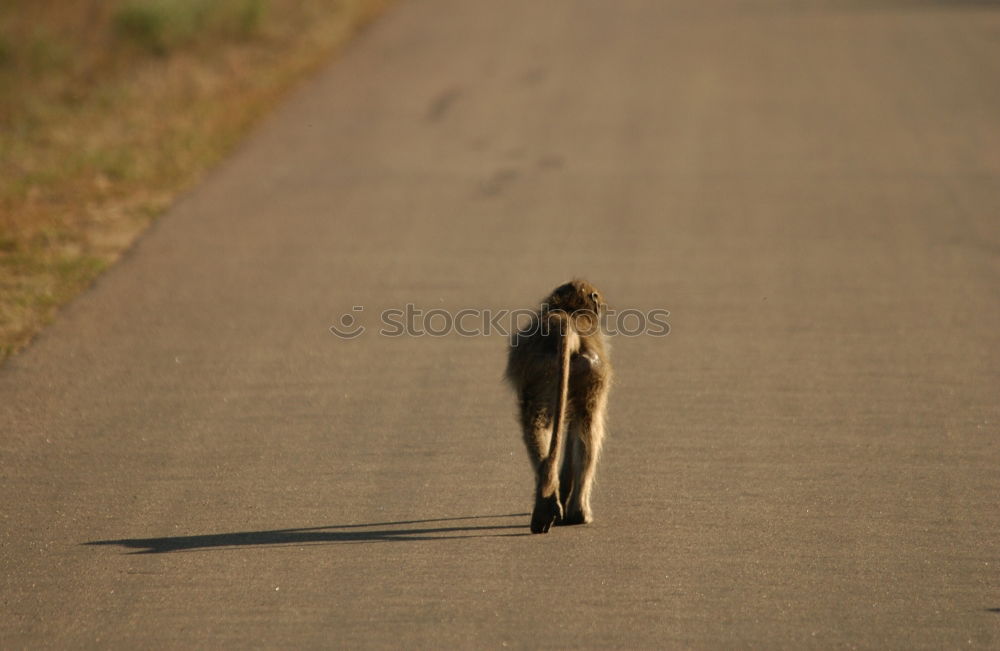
(810, 459)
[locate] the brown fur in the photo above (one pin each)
(560, 369)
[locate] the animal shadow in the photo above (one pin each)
(461, 527)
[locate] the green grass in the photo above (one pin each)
(160, 26)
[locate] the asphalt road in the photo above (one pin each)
(810, 459)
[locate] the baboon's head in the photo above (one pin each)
(576, 296)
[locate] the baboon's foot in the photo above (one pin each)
(576, 517)
(547, 510)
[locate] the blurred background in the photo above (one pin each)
(110, 108)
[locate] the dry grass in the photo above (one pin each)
(110, 108)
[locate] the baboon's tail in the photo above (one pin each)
(566, 339)
(569, 342)
(547, 506)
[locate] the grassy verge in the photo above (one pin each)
(110, 108)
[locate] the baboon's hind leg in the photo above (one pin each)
(588, 436)
(567, 473)
(537, 423)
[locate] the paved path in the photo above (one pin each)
(810, 459)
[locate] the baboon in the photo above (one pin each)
(560, 370)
